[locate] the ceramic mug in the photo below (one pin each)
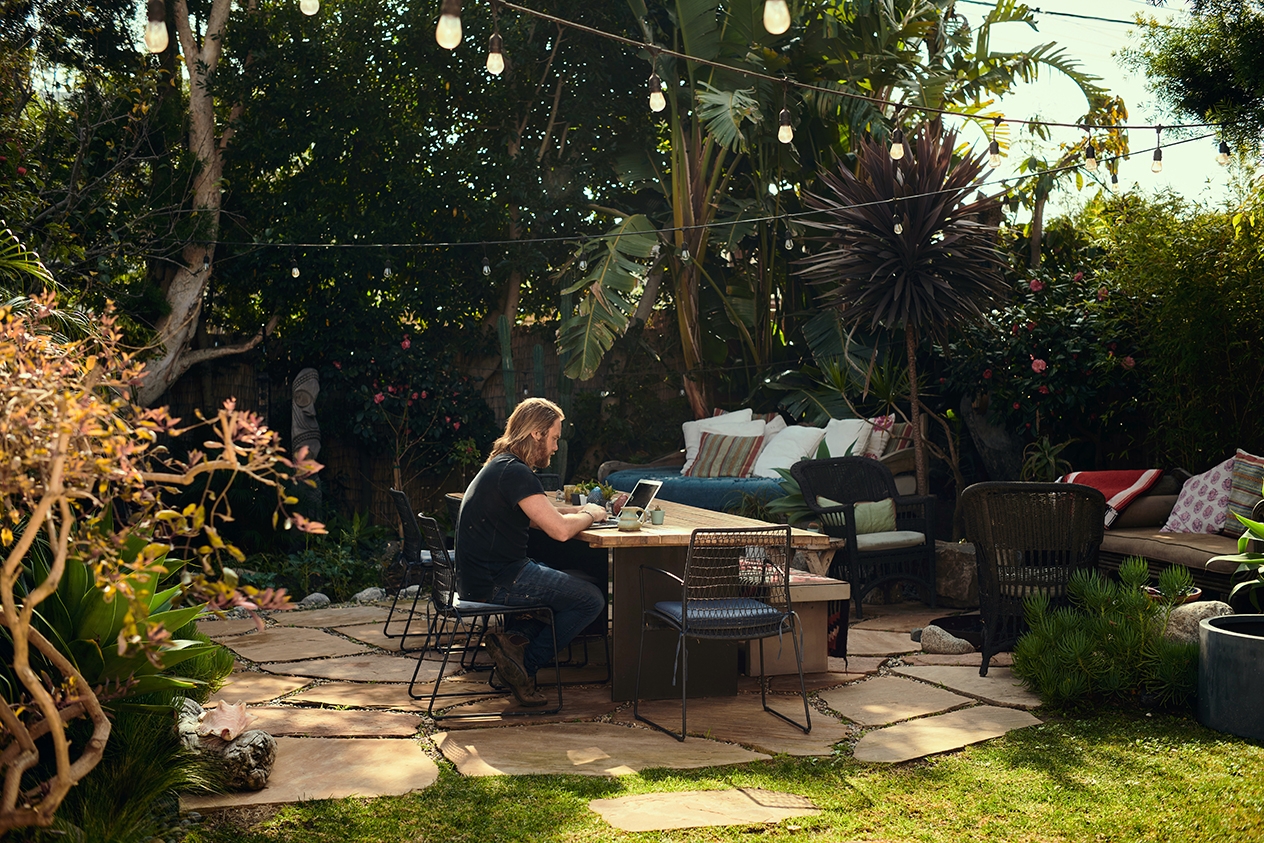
(656, 517)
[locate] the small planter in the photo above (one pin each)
(1231, 675)
(1190, 596)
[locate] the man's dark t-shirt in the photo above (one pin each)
(492, 530)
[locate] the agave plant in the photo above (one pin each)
(904, 247)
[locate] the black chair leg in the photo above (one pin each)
(636, 695)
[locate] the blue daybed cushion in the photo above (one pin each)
(720, 494)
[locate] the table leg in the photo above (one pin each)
(712, 664)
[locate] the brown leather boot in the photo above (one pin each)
(507, 656)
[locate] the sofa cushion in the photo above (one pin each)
(1191, 550)
(787, 448)
(720, 494)
(724, 456)
(1146, 511)
(846, 437)
(1203, 501)
(737, 423)
(1248, 474)
(879, 435)
(889, 540)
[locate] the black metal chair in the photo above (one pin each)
(412, 559)
(1028, 538)
(736, 587)
(832, 488)
(457, 627)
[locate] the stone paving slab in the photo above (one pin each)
(999, 687)
(226, 628)
(965, 659)
(742, 720)
(295, 721)
(942, 733)
(700, 808)
(577, 704)
(284, 644)
(871, 642)
(333, 768)
(890, 699)
(372, 634)
(253, 687)
(856, 664)
(586, 749)
(340, 616)
(902, 617)
(370, 668)
(359, 695)
(789, 683)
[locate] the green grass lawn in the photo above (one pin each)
(1108, 777)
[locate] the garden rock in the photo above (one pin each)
(314, 600)
(1182, 624)
(916, 634)
(247, 758)
(411, 591)
(369, 595)
(956, 575)
(936, 640)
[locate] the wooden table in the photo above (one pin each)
(713, 666)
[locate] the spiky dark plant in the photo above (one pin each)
(941, 270)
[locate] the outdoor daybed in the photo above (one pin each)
(783, 445)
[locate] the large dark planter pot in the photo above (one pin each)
(1231, 674)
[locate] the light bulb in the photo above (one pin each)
(1114, 182)
(1222, 157)
(487, 267)
(495, 55)
(684, 254)
(785, 132)
(386, 270)
(897, 224)
(1090, 158)
(309, 7)
(776, 16)
(448, 31)
(897, 144)
(583, 265)
(789, 244)
(657, 101)
(206, 262)
(294, 271)
(994, 155)
(1157, 165)
(156, 36)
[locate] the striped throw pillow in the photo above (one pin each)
(1248, 476)
(725, 456)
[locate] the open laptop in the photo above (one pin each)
(643, 494)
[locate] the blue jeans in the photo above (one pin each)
(575, 604)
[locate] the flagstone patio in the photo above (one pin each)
(334, 690)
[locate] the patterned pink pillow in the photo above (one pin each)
(1203, 502)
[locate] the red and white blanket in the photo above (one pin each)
(1120, 487)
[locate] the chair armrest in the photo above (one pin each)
(679, 580)
(900, 462)
(666, 461)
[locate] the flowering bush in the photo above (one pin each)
(1054, 362)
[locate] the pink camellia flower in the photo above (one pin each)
(1035, 285)
(406, 344)
(21, 171)
(1031, 326)
(391, 390)
(1128, 362)
(1044, 390)
(1038, 365)
(1016, 405)
(423, 395)
(379, 398)
(1079, 276)
(1102, 293)
(337, 365)
(987, 373)
(448, 419)
(414, 396)
(456, 425)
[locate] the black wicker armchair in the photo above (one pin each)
(1028, 538)
(832, 488)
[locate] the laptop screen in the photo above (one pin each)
(643, 493)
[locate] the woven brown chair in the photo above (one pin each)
(414, 562)
(832, 488)
(1028, 538)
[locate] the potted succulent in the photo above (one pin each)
(1231, 648)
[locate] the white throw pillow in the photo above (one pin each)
(737, 423)
(787, 448)
(841, 434)
(771, 429)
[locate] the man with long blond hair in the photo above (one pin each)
(503, 501)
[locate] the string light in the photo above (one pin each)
(448, 30)
(294, 273)
(1090, 158)
(1114, 182)
(789, 244)
(487, 266)
(897, 224)
(994, 148)
(897, 144)
(785, 132)
(206, 262)
(684, 254)
(657, 101)
(1157, 165)
(495, 46)
(387, 272)
(1222, 157)
(156, 30)
(309, 7)
(776, 16)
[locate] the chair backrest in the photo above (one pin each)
(1029, 537)
(408, 520)
(443, 585)
(843, 479)
(731, 564)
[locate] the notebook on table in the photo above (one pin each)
(642, 496)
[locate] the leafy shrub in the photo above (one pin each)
(345, 560)
(1108, 646)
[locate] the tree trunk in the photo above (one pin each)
(1037, 229)
(915, 410)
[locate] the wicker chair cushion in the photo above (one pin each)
(871, 517)
(738, 613)
(889, 540)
